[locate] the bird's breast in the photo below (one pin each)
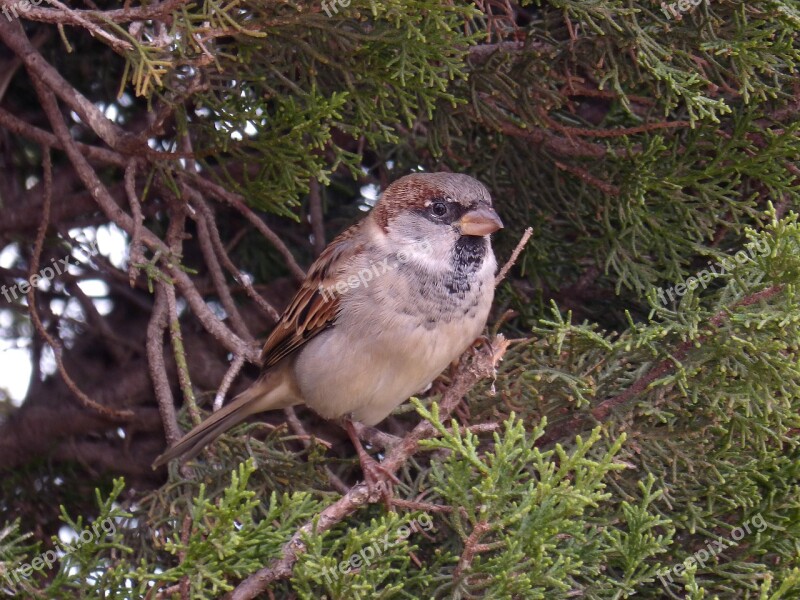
(395, 332)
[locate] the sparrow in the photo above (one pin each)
(386, 307)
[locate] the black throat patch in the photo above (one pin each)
(468, 255)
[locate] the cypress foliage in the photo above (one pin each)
(640, 438)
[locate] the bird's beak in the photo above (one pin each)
(481, 221)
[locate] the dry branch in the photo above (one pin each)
(265, 307)
(514, 256)
(218, 277)
(236, 365)
(157, 366)
(45, 138)
(110, 413)
(238, 203)
(154, 11)
(136, 254)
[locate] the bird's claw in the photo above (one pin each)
(380, 481)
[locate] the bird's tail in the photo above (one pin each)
(269, 392)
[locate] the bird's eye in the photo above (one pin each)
(439, 209)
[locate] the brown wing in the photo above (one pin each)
(314, 306)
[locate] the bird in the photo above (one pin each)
(385, 308)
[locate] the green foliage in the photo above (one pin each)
(640, 207)
(13, 552)
(717, 430)
(275, 98)
(369, 559)
(97, 559)
(539, 513)
(224, 540)
(644, 150)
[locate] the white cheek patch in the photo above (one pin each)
(429, 254)
(414, 251)
(430, 262)
(417, 239)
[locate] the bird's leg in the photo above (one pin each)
(378, 480)
(376, 437)
(481, 340)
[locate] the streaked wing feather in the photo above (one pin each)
(311, 312)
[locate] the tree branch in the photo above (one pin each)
(114, 213)
(12, 34)
(115, 415)
(238, 203)
(218, 277)
(156, 11)
(241, 278)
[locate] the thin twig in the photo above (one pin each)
(471, 547)
(158, 368)
(11, 67)
(612, 133)
(238, 203)
(136, 254)
(45, 138)
(118, 45)
(422, 506)
(481, 427)
(222, 253)
(166, 593)
(110, 413)
(609, 189)
(230, 375)
(174, 238)
(218, 278)
(179, 352)
(514, 256)
(121, 15)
